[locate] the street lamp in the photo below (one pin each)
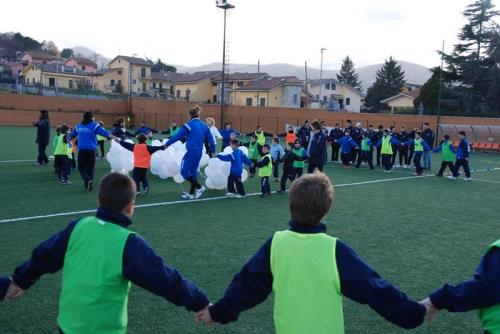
(223, 4)
(321, 78)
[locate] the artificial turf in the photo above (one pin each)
(417, 232)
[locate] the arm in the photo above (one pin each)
(362, 284)
(126, 145)
(147, 270)
(249, 287)
(183, 132)
(153, 149)
(4, 286)
(246, 161)
(166, 132)
(73, 133)
(281, 134)
(426, 146)
(48, 257)
(211, 140)
(128, 134)
(100, 131)
(480, 292)
(225, 157)
(394, 141)
(263, 162)
(439, 148)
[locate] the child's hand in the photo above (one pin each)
(116, 139)
(204, 315)
(430, 309)
(14, 291)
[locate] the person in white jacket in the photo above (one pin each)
(213, 130)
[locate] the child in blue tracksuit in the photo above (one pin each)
(419, 147)
(463, 153)
(277, 152)
(347, 144)
(237, 159)
(145, 130)
(196, 133)
(365, 153)
(227, 135)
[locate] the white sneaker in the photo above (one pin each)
(199, 192)
(229, 194)
(451, 177)
(405, 166)
(398, 166)
(240, 196)
(386, 171)
(467, 178)
(187, 196)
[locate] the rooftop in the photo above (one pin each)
(193, 77)
(271, 83)
(133, 60)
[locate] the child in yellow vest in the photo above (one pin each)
(265, 166)
(62, 155)
(309, 272)
(100, 141)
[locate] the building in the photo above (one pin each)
(161, 85)
(233, 81)
(195, 87)
(84, 64)
(335, 96)
(271, 92)
(55, 76)
(34, 57)
(405, 99)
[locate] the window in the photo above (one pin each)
(52, 82)
(112, 82)
(143, 86)
(70, 84)
(249, 101)
(143, 72)
(83, 67)
(188, 93)
(214, 84)
(295, 99)
(325, 98)
(119, 82)
(33, 81)
(154, 84)
(348, 101)
(119, 72)
(239, 84)
(214, 99)
(262, 101)
(160, 86)
(327, 86)
(134, 82)
(334, 86)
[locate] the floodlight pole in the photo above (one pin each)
(321, 79)
(223, 5)
(439, 94)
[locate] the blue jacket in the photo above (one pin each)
(43, 131)
(428, 136)
(347, 143)
(86, 134)
(412, 143)
(196, 133)
(140, 265)
(144, 130)
(226, 135)
(237, 159)
(277, 151)
(463, 149)
(358, 282)
(317, 148)
(480, 292)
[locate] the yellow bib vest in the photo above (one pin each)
(62, 148)
(386, 145)
(267, 170)
(419, 147)
(306, 284)
(490, 316)
(261, 139)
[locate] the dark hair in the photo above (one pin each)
(87, 117)
(349, 121)
(116, 192)
(258, 126)
(391, 127)
(195, 112)
(306, 121)
(254, 136)
(380, 127)
(316, 124)
(336, 124)
(143, 122)
(142, 138)
(229, 123)
(63, 128)
(418, 133)
(446, 137)
(276, 139)
(386, 131)
(426, 123)
(58, 130)
(347, 131)
(266, 146)
(370, 126)
(235, 142)
(44, 114)
(310, 198)
(462, 133)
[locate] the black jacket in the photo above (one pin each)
(43, 131)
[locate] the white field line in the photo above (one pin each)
(71, 213)
(489, 181)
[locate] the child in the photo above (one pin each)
(62, 155)
(172, 130)
(288, 161)
(419, 147)
(227, 135)
(366, 150)
(310, 272)
(54, 145)
(448, 155)
(254, 151)
(299, 159)
(347, 144)
(144, 129)
(99, 258)
(74, 144)
(385, 144)
(100, 141)
(463, 152)
(265, 170)
(276, 153)
(260, 134)
(237, 159)
(142, 160)
(481, 293)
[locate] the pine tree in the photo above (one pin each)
(390, 78)
(348, 74)
(430, 90)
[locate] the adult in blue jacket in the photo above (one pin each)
(463, 152)
(42, 136)
(144, 130)
(196, 134)
(86, 133)
(317, 148)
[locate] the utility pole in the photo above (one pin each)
(439, 93)
(258, 78)
(321, 78)
(305, 69)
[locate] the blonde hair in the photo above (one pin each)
(210, 121)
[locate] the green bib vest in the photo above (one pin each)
(62, 148)
(94, 292)
(419, 147)
(446, 151)
(267, 170)
(174, 131)
(306, 284)
(299, 153)
(261, 139)
(364, 144)
(253, 151)
(386, 145)
(490, 316)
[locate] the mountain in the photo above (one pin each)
(99, 59)
(414, 73)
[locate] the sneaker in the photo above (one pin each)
(277, 180)
(281, 192)
(439, 175)
(265, 195)
(138, 193)
(387, 171)
(406, 166)
(200, 192)
(67, 182)
(240, 196)
(467, 178)
(398, 166)
(187, 196)
(146, 191)
(451, 177)
(417, 174)
(89, 185)
(229, 194)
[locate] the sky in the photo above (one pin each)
(189, 32)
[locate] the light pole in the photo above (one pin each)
(321, 78)
(223, 5)
(439, 93)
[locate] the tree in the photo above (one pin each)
(348, 74)
(159, 66)
(430, 91)
(50, 48)
(390, 78)
(66, 53)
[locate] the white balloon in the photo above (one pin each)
(225, 168)
(209, 172)
(214, 164)
(209, 184)
(164, 141)
(227, 150)
(156, 142)
(204, 160)
(244, 149)
(244, 175)
(218, 180)
(128, 164)
(129, 141)
(173, 167)
(123, 171)
(178, 178)
(164, 173)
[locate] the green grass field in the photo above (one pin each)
(417, 232)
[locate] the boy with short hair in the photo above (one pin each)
(254, 152)
(309, 272)
(385, 145)
(366, 151)
(142, 160)
(448, 155)
(172, 130)
(62, 155)
(288, 161)
(100, 141)
(463, 152)
(299, 155)
(265, 170)
(100, 258)
(237, 158)
(335, 134)
(347, 144)
(277, 152)
(419, 147)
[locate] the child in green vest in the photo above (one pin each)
(419, 147)
(310, 272)
(100, 258)
(299, 162)
(62, 155)
(265, 170)
(54, 145)
(101, 140)
(366, 150)
(448, 155)
(254, 152)
(481, 293)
